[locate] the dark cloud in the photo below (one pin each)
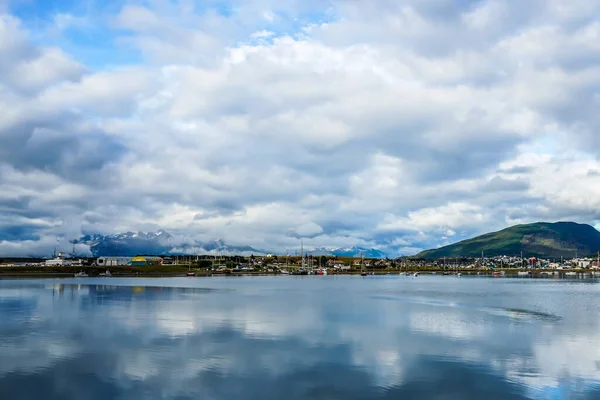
(516, 170)
(20, 232)
(499, 184)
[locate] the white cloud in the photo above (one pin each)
(384, 124)
(262, 34)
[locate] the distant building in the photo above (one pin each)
(57, 261)
(335, 263)
(139, 261)
(113, 261)
(582, 262)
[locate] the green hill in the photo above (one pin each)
(541, 239)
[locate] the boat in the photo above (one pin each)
(81, 275)
(190, 272)
(321, 271)
(459, 274)
(571, 274)
(415, 274)
(105, 274)
(362, 270)
(498, 274)
(524, 273)
(285, 272)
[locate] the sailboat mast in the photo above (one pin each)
(521, 259)
(302, 253)
(361, 262)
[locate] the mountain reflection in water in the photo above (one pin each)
(299, 338)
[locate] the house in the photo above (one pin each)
(112, 261)
(582, 262)
(334, 263)
(257, 261)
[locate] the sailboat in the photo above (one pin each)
(362, 270)
(286, 271)
(190, 273)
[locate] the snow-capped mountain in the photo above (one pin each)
(158, 243)
(353, 251)
(163, 243)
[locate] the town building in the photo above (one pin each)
(113, 261)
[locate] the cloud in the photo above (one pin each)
(378, 122)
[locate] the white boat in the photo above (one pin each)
(81, 275)
(524, 273)
(107, 273)
(285, 272)
(459, 274)
(571, 274)
(415, 274)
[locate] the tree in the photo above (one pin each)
(322, 261)
(204, 264)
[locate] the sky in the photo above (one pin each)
(395, 124)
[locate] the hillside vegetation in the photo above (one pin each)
(541, 239)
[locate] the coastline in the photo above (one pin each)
(182, 270)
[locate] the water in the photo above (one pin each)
(299, 338)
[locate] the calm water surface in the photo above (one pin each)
(299, 338)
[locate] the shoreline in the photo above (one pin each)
(181, 271)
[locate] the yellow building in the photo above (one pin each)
(139, 261)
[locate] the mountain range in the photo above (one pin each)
(353, 251)
(158, 243)
(541, 239)
(162, 243)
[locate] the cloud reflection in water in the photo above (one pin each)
(295, 339)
